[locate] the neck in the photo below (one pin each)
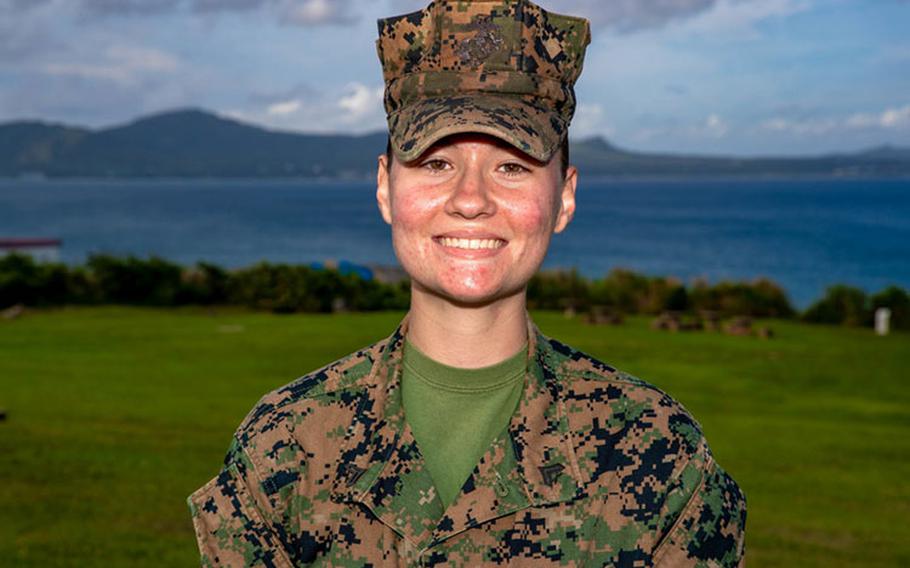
(467, 336)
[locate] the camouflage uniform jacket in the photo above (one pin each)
(596, 468)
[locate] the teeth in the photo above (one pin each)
(471, 243)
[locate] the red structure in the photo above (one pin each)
(39, 249)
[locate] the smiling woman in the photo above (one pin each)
(467, 438)
(472, 219)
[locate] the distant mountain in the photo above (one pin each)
(595, 156)
(183, 143)
(886, 152)
(196, 143)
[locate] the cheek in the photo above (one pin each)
(531, 217)
(408, 215)
(410, 209)
(412, 216)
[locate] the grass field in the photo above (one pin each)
(115, 415)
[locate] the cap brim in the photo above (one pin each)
(535, 131)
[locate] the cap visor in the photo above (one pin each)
(530, 129)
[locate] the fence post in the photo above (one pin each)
(882, 320)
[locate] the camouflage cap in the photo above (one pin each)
(501, 67)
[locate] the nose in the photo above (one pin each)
(470, 197)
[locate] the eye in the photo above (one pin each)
(513, 169)
(435, 165)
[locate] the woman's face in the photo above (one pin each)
(472, 218)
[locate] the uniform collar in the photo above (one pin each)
(533, 463)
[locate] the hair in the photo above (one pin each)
(563, 155)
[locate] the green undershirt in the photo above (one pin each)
(456, 413)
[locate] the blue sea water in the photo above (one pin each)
(805, 234)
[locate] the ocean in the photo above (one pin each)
(805, 234)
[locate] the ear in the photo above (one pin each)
(382, 189)
(567, 200)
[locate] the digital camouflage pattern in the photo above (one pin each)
(596, 468)
(500, 67)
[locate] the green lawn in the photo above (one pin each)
(116, 414)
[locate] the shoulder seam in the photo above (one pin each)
(256, 503)
(709, 465)
(620, 378)
(308, 394)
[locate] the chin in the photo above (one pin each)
(474, 296)
(469, 299)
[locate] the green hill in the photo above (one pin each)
(186, 143)
(196, 143)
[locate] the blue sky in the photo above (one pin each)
(742, 77)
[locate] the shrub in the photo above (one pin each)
(23, 281)
(285, 288)
(759, 298)
(841, 304)
(898, 301)
(152, 282)
(205, 285)
(623, 290)
(558, 289)
(19, 280)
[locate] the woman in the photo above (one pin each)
(467, 438)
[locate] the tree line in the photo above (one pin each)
(284, 288)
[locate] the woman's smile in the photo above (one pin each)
(472, 219)
(470, 245)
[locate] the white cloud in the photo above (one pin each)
(892, 118)
(238, 115)
(143, 58)
(312, 12)
(120, 7)
(284, 107)
(808, 126)
(622, 15)
(296, 12)
(738, 18)
(122, 64)
(712, 127)
(352, 108)
(896, 118)
(361, 101)
(589, 121)
(8, 6)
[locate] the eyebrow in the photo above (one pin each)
(498, 142)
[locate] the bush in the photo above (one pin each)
(622, 290)
(23, 281)
(557, 290)
(205, 285)
(285, 288)
(630, 292)
(153, 282)
(760, 298)
(19, 280)
(279, 288)
(898, 301)
(841, 304)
